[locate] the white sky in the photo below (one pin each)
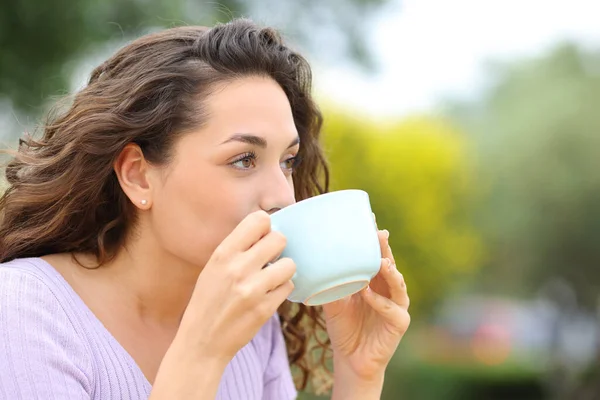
(429, 49)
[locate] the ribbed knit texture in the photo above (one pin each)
(52, 347)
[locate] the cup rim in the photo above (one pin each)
(328, 194)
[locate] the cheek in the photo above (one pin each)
(193, 213)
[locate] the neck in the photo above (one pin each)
(157, 285)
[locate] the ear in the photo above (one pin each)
(133, 172)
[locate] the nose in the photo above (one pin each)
(278, 192)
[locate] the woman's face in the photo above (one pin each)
(239, 162)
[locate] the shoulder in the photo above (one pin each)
(32, 269)
(27, 279)
(33, 292)
(37, 325)
(33, 296)
(32, 284)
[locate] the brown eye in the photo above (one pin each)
(291, 163)
(247, 161)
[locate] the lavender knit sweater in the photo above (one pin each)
(52, 347)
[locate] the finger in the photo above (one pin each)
(276, 274)
(264, 251)
(280, 294)
(386, 250)
(248, 232)
(396, 284)
(390, 311)
(270, 302)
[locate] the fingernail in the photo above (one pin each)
(386, 233)
(391, 266)
(368, 289)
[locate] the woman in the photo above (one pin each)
(133, 234)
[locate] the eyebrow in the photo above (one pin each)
(256, 140)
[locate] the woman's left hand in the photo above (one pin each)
(366, 328)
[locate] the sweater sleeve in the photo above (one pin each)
(41, 354)
(279, 384)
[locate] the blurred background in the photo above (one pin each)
(473, 124)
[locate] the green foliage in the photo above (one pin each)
(538, 136)
(451, 382)
(40, 40)
(418, 177)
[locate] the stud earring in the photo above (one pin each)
(144, 202)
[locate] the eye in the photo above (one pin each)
(245, 161)
(291, 163)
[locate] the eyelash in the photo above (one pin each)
(252, 156)
(246, 156)
(296, 160)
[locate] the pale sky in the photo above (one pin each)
(431, 49)
(428, 49)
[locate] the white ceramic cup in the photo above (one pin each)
(333, 240)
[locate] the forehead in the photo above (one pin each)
(255, 105)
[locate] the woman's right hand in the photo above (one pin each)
(233, 298)
(234, 295)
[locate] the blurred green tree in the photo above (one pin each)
(40, 39)
(417, 174)
(538, 134)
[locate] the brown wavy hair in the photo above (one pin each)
(63, 194)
